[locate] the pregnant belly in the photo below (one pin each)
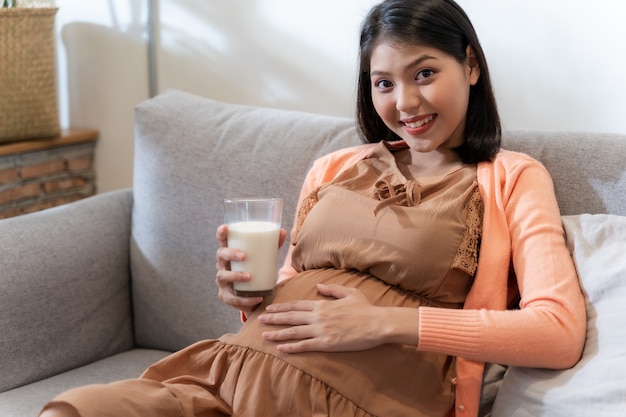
(374, 378)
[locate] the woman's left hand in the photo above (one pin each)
(349, 322)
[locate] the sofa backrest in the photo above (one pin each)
(191, 152)
(588, 169)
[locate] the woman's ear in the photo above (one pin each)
(472, 65)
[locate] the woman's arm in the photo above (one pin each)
(548, 330)
(522, 219)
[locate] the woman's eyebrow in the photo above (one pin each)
(412, 64)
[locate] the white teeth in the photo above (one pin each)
(420, 123)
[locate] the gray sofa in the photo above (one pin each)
(97, 290)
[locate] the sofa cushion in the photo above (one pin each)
(29, 399)
(596, 386)
(192, 152)
(588, 168)
(64, 287)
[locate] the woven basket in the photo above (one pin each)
(28, 84)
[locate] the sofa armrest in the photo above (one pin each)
(64, 287)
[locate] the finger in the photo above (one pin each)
(291, 318)
(225, 255)
(283, 236)
(302, 305)
(241, 302)
(225, 278)
(221, 235)
(290, 333)
(335, 290)
(227, 295)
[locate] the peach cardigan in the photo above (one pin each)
(522, 228)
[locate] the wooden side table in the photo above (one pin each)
(42, 173)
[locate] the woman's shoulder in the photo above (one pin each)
(357, 151)
(509, 166)
(336, 161)
(509, 160)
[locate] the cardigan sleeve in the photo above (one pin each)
(522, 228)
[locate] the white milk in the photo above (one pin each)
(259, 240)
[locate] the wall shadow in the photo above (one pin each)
(251, 62)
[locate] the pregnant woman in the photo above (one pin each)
(415, 259)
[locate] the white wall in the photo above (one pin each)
(556, 64)
(103, 74)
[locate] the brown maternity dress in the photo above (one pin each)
(401, 242)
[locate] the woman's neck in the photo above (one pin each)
(414, 164)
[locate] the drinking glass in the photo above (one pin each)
(254, 228)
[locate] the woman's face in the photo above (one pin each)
(422, 94)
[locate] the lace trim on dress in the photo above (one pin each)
(306, 206)
(466, 258)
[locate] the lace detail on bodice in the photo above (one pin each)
(306, 206)
(466, 258)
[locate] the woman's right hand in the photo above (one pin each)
(225, 277)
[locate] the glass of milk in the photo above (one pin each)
(254, 228)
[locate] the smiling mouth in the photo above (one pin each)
(419, 123)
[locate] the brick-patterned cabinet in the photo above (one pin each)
(39, 174)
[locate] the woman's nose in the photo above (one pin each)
(407, 99)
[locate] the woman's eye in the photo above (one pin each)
(383, 84)
(423, 74)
